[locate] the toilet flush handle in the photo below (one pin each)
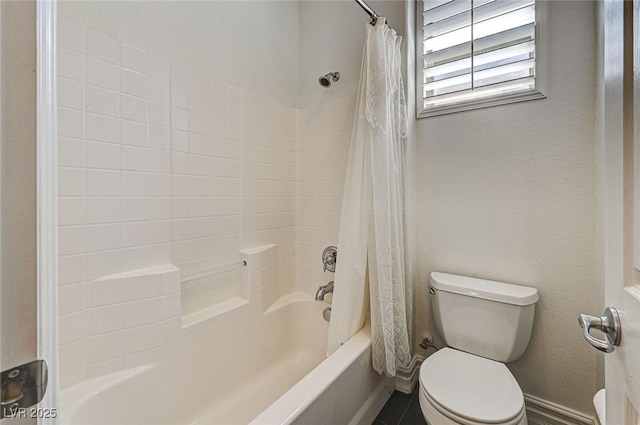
(609, 324)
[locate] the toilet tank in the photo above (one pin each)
(483, 317)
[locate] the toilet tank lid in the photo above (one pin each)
(485, 289)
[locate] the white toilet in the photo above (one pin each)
(486, 324)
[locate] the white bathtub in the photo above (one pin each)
(257, 368)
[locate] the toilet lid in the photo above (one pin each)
(472, 387)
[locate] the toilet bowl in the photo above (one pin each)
(485, 324)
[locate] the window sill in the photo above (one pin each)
(479, 103)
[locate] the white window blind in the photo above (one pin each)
(475, 52)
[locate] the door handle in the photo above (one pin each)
(609, 324)
(22, 387)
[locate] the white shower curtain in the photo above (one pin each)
(372, 236)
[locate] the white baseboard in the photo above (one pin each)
(407, 378)
(543, 412)
(539, 411)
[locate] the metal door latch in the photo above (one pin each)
(22, 387)
(609, 324)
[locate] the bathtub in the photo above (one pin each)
(255, 368)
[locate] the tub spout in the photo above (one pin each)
(324, 290)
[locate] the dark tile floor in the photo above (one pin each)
(401, 409)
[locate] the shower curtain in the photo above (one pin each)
(372, 236)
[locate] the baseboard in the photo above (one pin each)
(543, 412)
(407, 378)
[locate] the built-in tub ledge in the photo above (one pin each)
(289, 299)
(215, 311)
(162, 269)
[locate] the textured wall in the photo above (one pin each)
(508, 193)
(18, 153)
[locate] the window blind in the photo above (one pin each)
(477, 49)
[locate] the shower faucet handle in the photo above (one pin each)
(329, 258)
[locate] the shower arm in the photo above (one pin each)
(374, 16)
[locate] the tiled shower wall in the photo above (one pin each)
(324, 135)
(158, 165)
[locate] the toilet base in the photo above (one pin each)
(433, 416)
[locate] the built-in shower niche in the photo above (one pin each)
(231, 287)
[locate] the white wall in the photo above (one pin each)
(508, 193)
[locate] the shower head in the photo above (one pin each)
(325, 80)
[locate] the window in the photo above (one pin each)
(478, 53)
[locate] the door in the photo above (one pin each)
(621, 204)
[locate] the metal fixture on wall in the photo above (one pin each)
(326, 80)
(329, 258)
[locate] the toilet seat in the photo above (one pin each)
(470, 389)
(436, 415)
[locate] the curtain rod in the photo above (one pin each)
(374, 16)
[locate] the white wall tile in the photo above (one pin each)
(134, 234)
(134, 83)
(105, 347)
(72, 357)
(71, 152)
(71, 181)
(159, 137)
(138, 313)
(103, 155)
(70, 123)
(71, 269)
(71, 240)
(70, 93)
(140, 288)
(159, 90)
(71, 36)
(71, 211)
(159, 114)
(134, 158)
(134, 58)
(71, 64)
(159, 67)
(100, 264)
(134, 108)
(102, 101)
(102, 210)
(104, 292)
(102, 237)
(140, 339)
(102, 183)
(101, 320)
(134, 209)
(103, 74)
(134, 258)
(71, 299)
(133, 133)
(102, 128)
(72, 327)
(102, 47)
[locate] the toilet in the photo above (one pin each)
(485, 325)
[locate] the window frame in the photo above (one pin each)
(466, 105)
